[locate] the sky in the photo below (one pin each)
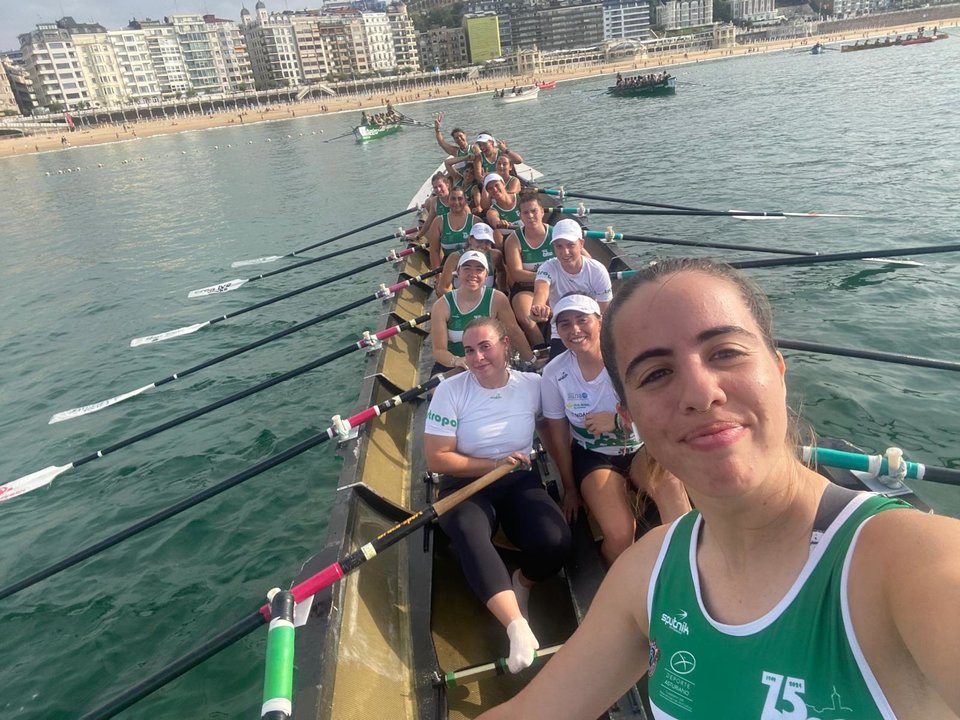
(18, 16)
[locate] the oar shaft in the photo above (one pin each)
(691, 213)
(605, 198)
(475, 673)
(348, 233)
(852, 255)
(653, 239)
(210, 492)
(119, 703)
(223, 402)
(321, 258)
(896, 358)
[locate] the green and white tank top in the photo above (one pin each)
(512, 215)
(490, 166)
(452, 240)
(532, 258)
(459, 319)
(439, 208)
(800, 661)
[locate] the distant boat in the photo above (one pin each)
(372, 131)
(517, 94)
(887, 42)
(547, 85)
(818, 49)
(641, 86)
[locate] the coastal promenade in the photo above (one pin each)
(132, 131)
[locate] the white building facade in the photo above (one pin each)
(626, 19)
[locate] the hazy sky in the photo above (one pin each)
(17, 16)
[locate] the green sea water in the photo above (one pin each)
(95, 257)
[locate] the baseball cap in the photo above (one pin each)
(483, 137)
(475, 256)
(567, 229)
(580, 303)
(482, 231)
(492, 177)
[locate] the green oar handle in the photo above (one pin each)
(879, 466)
(278, 673)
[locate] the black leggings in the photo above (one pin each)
(530, 519)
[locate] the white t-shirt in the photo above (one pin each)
(592, 280)
(487, 423)
(566, 394)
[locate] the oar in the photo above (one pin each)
(852, 255)
(341, 427)
(561, 193)
(826, 258)
(40, 478)
(338, 137)
(611, 236)
(392, 256)
(896, 358)
(308, 588)
(240, 282)
(582, 211)
(348, 233)
(382, 293)
(879, 465)
(476, 673)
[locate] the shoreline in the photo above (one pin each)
(131, 131)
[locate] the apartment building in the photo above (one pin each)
(50, 58)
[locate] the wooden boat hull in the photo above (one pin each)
(669, 87)
(378, 642)
(370, 132)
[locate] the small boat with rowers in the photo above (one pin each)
(519, 93)
(650, 85)
(379, 125)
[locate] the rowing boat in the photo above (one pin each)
(372, 132)
(667, 86)
(385, 642)
(517, 94)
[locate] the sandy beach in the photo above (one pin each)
(54, 141)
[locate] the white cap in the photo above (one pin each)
(476, 257)
(491, 178)
(482, 231)
(567, 229)
(483, 137)
(580, 303)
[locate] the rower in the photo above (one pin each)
(452, 312)
(486, 150)
(503, 211)
(435, 204)
(477, 421)
(568, 272)
(782, 593)
(448, 232)
(460, 146)
(480, 239)
(524, 250)
(507, 170)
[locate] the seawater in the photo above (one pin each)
(94, 258)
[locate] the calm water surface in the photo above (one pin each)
(95, 258)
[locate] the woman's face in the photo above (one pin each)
(579, 331)
(504, 166)
(704, 390)
(472, 275)
(531, 213)
(485, 351)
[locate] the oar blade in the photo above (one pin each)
(94, 407)
(892, 261)
(216, 289)
(257, 261)
(160, 337)
(31, 482)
